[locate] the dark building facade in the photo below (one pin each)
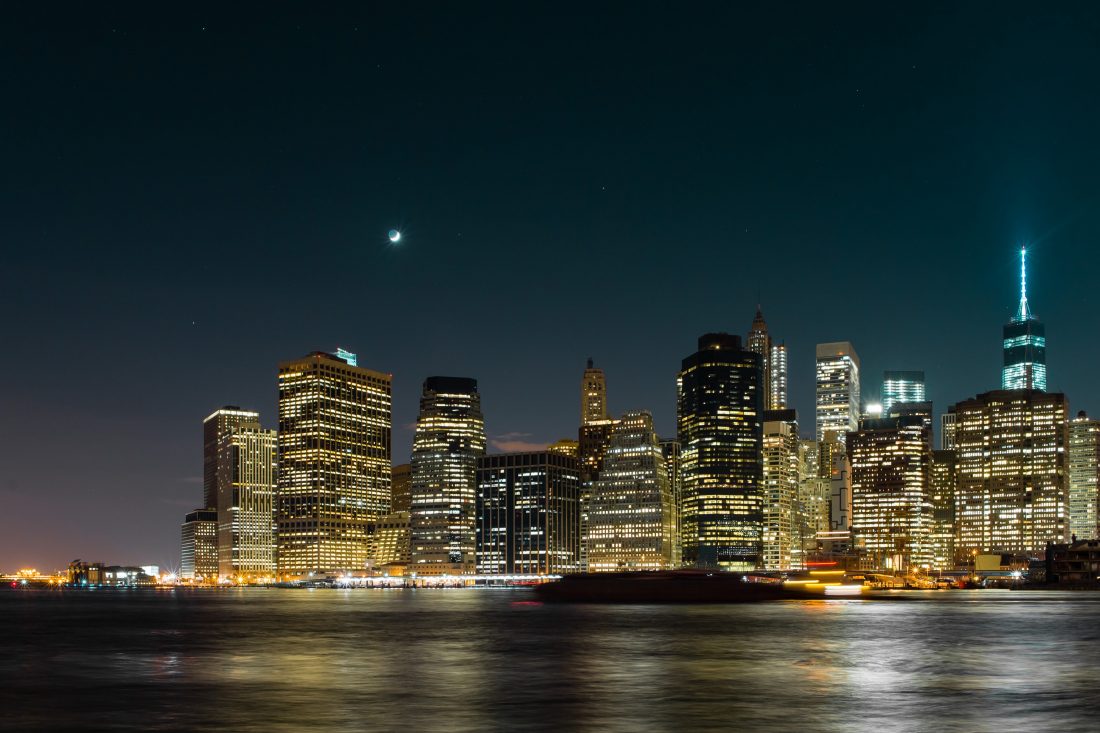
(528, 514)
(720, 410)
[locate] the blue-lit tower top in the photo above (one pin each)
(1025, 344)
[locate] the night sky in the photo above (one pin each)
(189, 197)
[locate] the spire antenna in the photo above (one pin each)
(1024, 313)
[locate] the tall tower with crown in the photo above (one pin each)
(1025, 344)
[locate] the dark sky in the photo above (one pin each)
(189, 197)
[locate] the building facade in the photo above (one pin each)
(247, 470)
(528, 514)
(449, 441)
(199, 546)
(215, 427)
(891, 493)
(812, 504)
(334, 463)
(1011, 493)
(901, 386)
(1084, 469)
(838, 406)
(947, 430)
(401, 488)
(781, 488)
(777, 378)
(944, 485)
(593, 395)
(593, 437)
(720, 411)
(671, 451)
(759, 341)
(390, 544)
(631, 517)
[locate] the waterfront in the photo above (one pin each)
(475, 660)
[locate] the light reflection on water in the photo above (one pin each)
(474, 660)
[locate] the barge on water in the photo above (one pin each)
(686, 586)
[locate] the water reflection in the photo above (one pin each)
(465, 660)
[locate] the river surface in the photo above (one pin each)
(493, 660)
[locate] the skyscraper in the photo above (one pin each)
(837, 389)
(592, 440)
(246, 504)
(760, 342)
(777, 378)
(449, 440)
(1025, 344)
(528, 514)
(947, 430)
(671, 451)
(214, 428)
(891, 492)
(334, 463)
(720, 408)
(1084, 469)
(812, 503)
(1011, 493)
(595, 424)
(901, 387)
(773, 359)
(199, 546)
(780, 477)
(834, 465)
(631, 519)
(401, 488)
(944, 486)
(593, 395)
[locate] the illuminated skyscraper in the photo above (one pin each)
(777, 378)
(781, 487)
(944, 486)
(199, 546)
(595, 424)
(1084, 468)
(720, 417)
(891, 492)
(631, 518)
(837, 389)
(334, 463)
(1012, 463)
(812, 502)
(214, 428)
(773, 358)
(246, 504)
(528, 514)
(449, 440)
(901, 387)
(593, 437)
(760, 342)
(593, 395)
(1025, 344)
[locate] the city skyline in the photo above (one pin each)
(927, 153)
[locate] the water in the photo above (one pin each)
(492, 660)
